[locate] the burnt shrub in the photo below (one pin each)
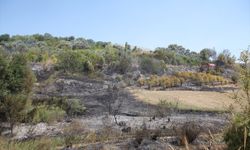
(188, 132)
(72, 133)
(146, 134)
(191, 130)
(140, 135)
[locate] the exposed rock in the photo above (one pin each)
(27, 131)
(42, 71)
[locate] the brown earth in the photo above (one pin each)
(195, 100)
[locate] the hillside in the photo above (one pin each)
(85, 94)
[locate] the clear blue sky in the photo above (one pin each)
(195, 24)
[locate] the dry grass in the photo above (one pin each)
(196, 100)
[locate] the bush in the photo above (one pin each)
(72, 133)
(70, 106)
(145, 133)
(71, 61)
(16, 82)
(191, 131)
(140, 135)
(237, 133)
(47, 114)
(73, 107)
(95, 58)
(235, 78)
(166, 108)
(122, 62)
(89, 66)
(188, 132)
(151, 65)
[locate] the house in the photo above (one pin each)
(207, 67)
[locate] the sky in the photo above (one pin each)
(194, 24)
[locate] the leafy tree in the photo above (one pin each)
(177, 49)
(101, 44)
(127, 46)
(4, 37)
(38, 37)
(206, 54)
(16, 81)
(225, 59)
(176, 55)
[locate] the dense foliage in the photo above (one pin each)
(72, 54)
(238, 134)
(177, 55)
(16, 81)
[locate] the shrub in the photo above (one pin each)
(122, 64)
(94, 59)
(191, 131)
(151, 65)
(165, 108)
(145, 133)
(188, 132)
(140, 135)
(71, 61)
(72, 133)
(16, 82)
(237, 133)
(235, 78)
(47, 114)
(73, 107)
(70, 106)
(89, 66)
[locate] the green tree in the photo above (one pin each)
(206, 54)
(238, 134)
(4, 37)
(225, 59)
(16, 81)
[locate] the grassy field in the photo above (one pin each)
(195, 100)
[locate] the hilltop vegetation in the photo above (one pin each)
(86, 55)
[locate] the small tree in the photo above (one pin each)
(114, 103)
(238, 134)
(206, 54)
(15, 108)
(16, 81)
